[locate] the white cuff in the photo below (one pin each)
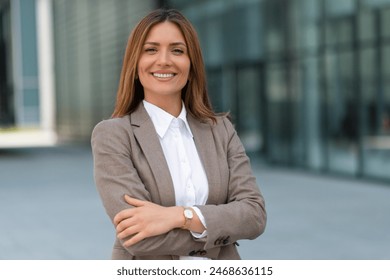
(203, 221)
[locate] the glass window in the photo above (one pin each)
(254, 32)
(342, 112)
(312, 114)
(279, 122)
(336, 8)
(214, 84)
(212, 43)
(376, 158)
(375, 73)
(339, 32)
(7, 101)
(275, 27)
(31, 107)
(375, 3)
(251, 107)
(297, 103)
(366, 26)
(385, 22)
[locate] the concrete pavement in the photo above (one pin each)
(49, 209)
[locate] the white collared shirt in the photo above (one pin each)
(186, 169)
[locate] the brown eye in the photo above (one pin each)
(177, 51)
(150, 50)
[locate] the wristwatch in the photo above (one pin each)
(188, 215)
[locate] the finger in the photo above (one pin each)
(122, 215)
(124, 224)
(133, 201)
(129, 231)
(118, 218)
(134, 240)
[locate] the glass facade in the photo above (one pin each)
(305, 80)
(19, 86)
(26, 74)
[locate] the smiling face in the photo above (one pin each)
(164, 64)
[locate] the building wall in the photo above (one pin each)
(90, 38)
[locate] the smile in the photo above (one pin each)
(159, 75)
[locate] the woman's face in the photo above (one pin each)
(164, 64)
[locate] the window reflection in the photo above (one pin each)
(307, 81)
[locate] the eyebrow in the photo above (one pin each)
(171, 44)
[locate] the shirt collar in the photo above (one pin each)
(162, 120)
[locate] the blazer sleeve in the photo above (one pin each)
(115, 176)
(243, 216)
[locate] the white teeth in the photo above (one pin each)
(163, 75)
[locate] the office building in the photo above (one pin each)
(305, 80)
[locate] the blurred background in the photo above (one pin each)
(306, 82)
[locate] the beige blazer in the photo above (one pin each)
(128, 159)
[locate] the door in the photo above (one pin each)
(6, 93)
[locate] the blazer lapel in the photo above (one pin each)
(147, 137)
(204, 142)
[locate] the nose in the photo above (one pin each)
(163, 58)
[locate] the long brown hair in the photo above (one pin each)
(194, 94)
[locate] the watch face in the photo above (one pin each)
(188, 214)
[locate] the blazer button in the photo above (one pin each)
(226, 240)
(192, 253)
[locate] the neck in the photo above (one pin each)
(168, 104)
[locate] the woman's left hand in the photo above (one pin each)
(145, 219)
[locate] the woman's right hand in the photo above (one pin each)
(146, 219)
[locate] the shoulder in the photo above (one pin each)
(114, 129)
(112, 136)
(222, 130)
(226, 134)
(224, 125)
(112, 125)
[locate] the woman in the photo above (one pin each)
(173, 176)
